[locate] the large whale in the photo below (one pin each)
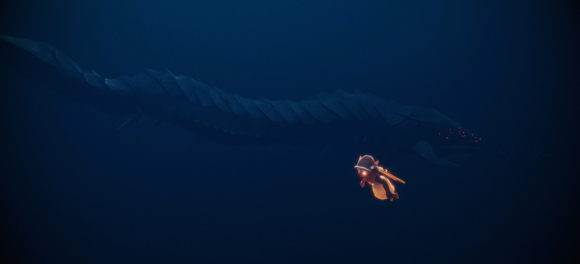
(359, 120)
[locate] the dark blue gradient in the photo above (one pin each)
(75, 190)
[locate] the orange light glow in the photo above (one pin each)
(390, 175)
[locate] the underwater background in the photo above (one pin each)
(75, 190)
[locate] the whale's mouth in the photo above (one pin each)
(425, 150)
(459, 149)
(446, 151)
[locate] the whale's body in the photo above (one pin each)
(353, 119)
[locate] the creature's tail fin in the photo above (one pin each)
(379, 191)
(45, 65)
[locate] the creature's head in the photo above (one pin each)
(367, 168)
(441, 135)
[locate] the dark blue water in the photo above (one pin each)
(75, 190)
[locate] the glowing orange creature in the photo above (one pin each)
(377, 177)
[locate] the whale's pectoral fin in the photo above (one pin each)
(131, 119)
(423, 149)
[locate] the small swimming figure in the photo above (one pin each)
(377, 177)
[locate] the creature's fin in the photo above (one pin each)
(379, 191)
(423, 149)
(391, 188)
(362, 183)
(396, 195)
(390, 185)
(131, 120)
